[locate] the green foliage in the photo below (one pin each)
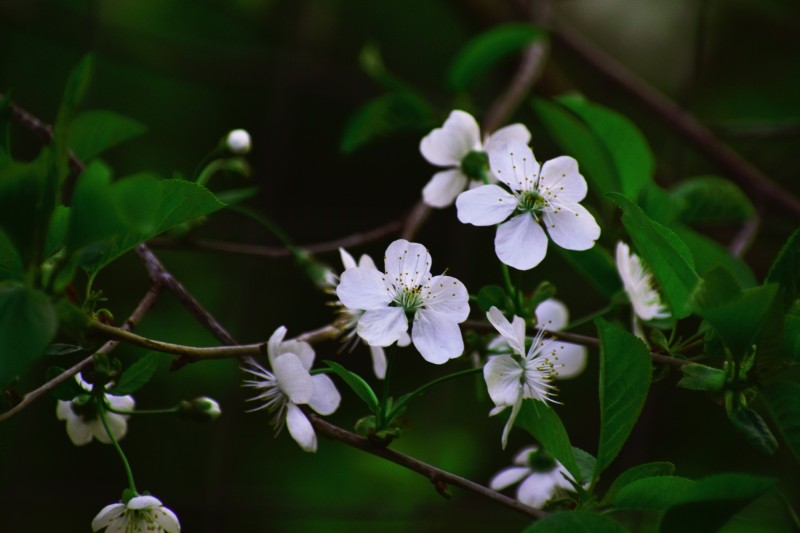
(750, 424)
(67, 390)
(77, 85)
(783, 402)
(59, 349)
(487, 49)
(494, 296)
(386, 115)
(646, 470)
(586, 463)
(785, 270)
(708, 254)
(137, 375)
(597, 266)
(572, 521)
(711, 200)
(658, 492)
(11, 266)
(543, 423)
(357, 384)
(93, 132)
(702, 377)
(5, 130)
(625, 375)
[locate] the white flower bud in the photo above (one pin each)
(238, 141)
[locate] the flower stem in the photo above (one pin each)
(410, 396)
(512, 291)
(382, 412)
(101, 412)
(164, 411)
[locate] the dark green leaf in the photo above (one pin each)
(597, 266)
(783, 402)
(27, 324)
(137, 375)
(702, 377)
(712, 502)
(659, 492)
(785, 271)
(236, 196)
(357, 384)
(659, 205)
(586, 463)
(543, 423)
(77, 84)
(791, 344)
(750, 424)
(637, 472)
(625, 375)
(57, 232)
(11, 266)
(664, 253)
(711, 200)
(67, 390)
(574, 521)
(386, 115)
(709, 254)
(93, 132)
(487, 49)
(493, 296)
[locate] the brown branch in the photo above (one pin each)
(416, 218)
(687, 126)
(745, 237)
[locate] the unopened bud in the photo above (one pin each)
(202, 409)
(238, 141)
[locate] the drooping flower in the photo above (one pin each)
(140, 514)
(347, 321)
(289, 385)
(83, 421)
(406, 290)
(638, 284)
(546, 194)
(238, 141)
(512, 378)
(541, 476)
(457, 146)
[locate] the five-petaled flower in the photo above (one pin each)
(524, 374)
(83, 420)
(406, 290)
(290, 385)
(638, 284)
(457, 146)
(140, 513)
(546, 194)
(540, 474)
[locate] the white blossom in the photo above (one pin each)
(288, 385)
(406, 290)
(83, 421)
(238, 141)
(539, 477)
(546, 194)
(638, 284)
(457, 146)
(143, 514)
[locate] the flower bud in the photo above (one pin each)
(238, 141)
(202, 409)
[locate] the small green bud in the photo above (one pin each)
(702, 377)
(202, 409)
(475, 165)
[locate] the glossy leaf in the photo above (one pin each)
(137, 375)
(384, 116)
(750, 424)
(711, 200)
(93, 132)
(659, 492)
(635, 473)
(785, 270)
(783, 402)
(357, 385)
(544, 425)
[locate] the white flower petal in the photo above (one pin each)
(167, 520)
(404, 340)
(522, 457)
(143, 502)
(366, 261)
(512, 332)
(572, 227)
(363, 288)
(379, 359)
(436, 336)
(509, 476)
(300, 428)
(347, 260)
(497, 410)
(301, 349)
(274, 342)
(116, 423)
(447, 146)
(561, 181)
(107, 515)
(536, 490)
(64, 410)
(485, 205)
(513, 132)
(121, 403)
(552, 315)
(513, 163)
(573, 359)
(326, 397)
(408, 264)
(502, 375)
(382, 327)
(510, 423)
(448, 296)
(79, 432)
(443, 187)
(638, 284)
(293, 378)
(521, 242)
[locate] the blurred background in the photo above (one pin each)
(289, 72)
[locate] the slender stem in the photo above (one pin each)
(101, 412)
(273, 228)
(588, 318)
(165, 411)
(408, 397)
(512, 291)
(383, 419)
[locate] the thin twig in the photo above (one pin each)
(416, 218)
(745, 237)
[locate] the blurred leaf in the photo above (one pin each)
(750, 424)
(785, 270)
(711, 200)
(637, 472)
(93, 132)
(5, 130)
(384, 116)
(357, 384)
(11, 266)
(27, 324)
(586, 462)
(137, 375)
(573, 521)
(664, 253)
(702, 377)
(77, 84)
(791, 340)
(493, 296)
(58, 349)
(659, 492)
(544, 425)
(627, 148)
(57, 232)
(236, 196)
(597, 266)
(67, 390)
(625, 374)
(659, 205)
(709, 254)
(712, 501)
(487, 49)
(783, 402)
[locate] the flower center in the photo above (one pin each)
(409, 298)
(530, 202)
(475, 165)
(541, 461)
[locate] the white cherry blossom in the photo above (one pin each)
(288, 385)
(638, 284)
(83, 421)
(457, 146)
(141, 513)
(238, 141)
(406, 290)
(538, 195)
(539, 475)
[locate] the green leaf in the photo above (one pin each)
(357, 384)
(93, 132)
(236, 196)
(791, 332)
(628, 150)
(77, 84)
(712, 502)
(543, 423)
(27, 324)
(11, 266)
(637, 472)
(384, 116)
(487, 49)
(137, 375)
(750, 424)
(783, 403)
(586, 462)
(67, 390)
(574, 521)
(709, 254)
(625, 375)
(659, 492)
(711, 200)
(597, 266)
(785, 271)
(493, 296)
(702, 377)
(665, 254)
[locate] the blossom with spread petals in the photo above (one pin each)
(289, 385)
(140, 514)
(638, 284)
(457, 147)
(541, 476)
(546, 194)
(83, 421)
(406, 290)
